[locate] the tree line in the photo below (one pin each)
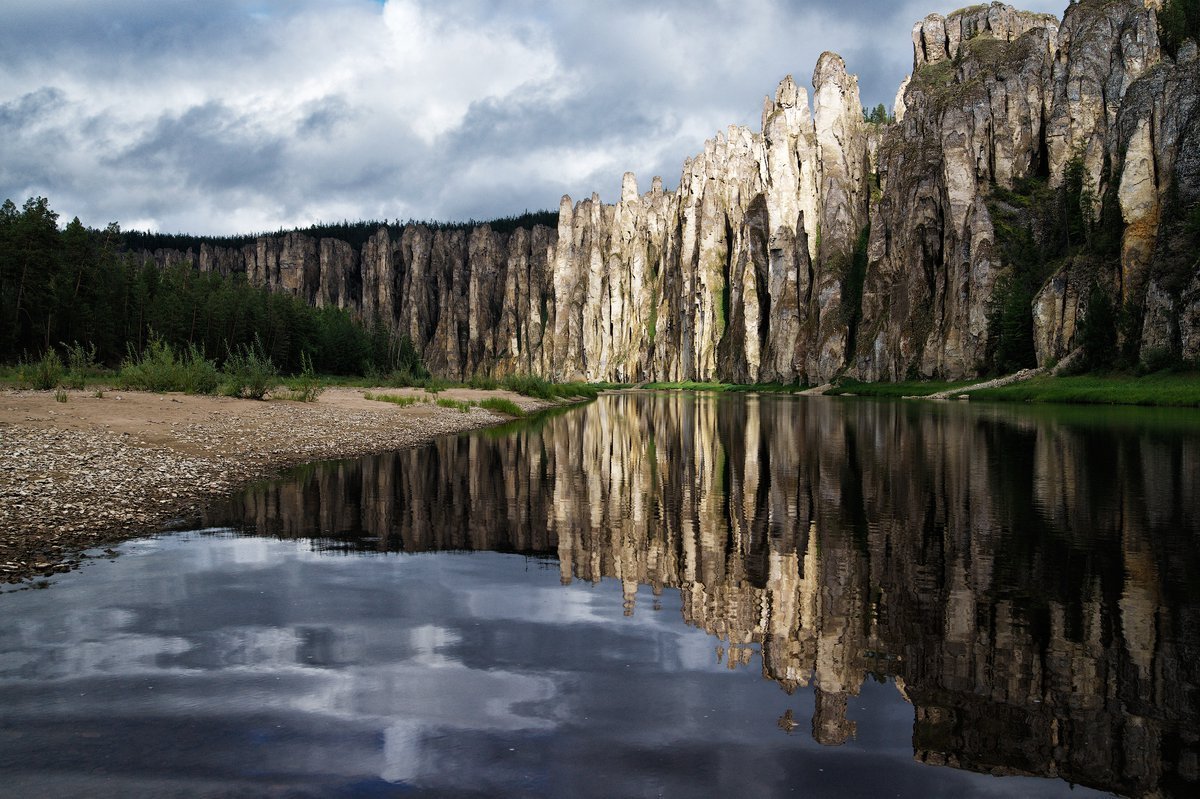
(81, 285)
(353, 233)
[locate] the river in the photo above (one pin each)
(655, 594)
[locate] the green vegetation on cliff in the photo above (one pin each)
(1179, 21)
(1040, 229)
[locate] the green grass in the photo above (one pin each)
(395, 399)
(907, 388)
(453, 404)
(525, 385)
(501, 405)
(538, 388)
(1164, 389)
(497, 404)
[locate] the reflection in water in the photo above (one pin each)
(1027, 579)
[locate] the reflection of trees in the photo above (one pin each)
(1029, 584)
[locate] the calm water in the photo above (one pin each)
(679, 595)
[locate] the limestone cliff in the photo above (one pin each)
(823, 245)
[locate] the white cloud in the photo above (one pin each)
(228, 117)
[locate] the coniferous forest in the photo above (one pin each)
(78, 285)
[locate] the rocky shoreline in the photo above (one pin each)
(97, 470)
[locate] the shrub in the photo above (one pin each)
(1158, 359)
(43, 374)
(159, 368)
(81, 364)
(198, 375)
(306, 386)
(60, 395)
(249, 372)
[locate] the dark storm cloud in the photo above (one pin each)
(29, 109)
(209, 147)
(322, 116)
(236, 115)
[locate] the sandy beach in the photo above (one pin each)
(97, 470)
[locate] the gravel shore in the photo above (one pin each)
(94, 471)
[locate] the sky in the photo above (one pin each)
(240, 116)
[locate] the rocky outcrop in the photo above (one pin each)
(821, 244)
(932, 256)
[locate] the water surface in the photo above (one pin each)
(656, 594)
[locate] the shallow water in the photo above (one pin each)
(655, 594)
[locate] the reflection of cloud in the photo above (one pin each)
(401, 752)
(322, 671)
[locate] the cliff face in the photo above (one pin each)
(822, 245)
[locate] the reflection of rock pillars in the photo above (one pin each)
(841, 539)
(830, 727)
(1139, 605)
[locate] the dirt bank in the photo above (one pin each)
(97, 470)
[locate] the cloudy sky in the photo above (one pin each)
(232, 116)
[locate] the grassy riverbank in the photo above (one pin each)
(692, 385)
(1163, 389)
(1166, 389)
(907, 388)
(247, 373)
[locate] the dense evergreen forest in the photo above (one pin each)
(93, 287)
(354, 233)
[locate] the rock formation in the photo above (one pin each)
(823, 245)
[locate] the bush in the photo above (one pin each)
(43, 374)
(1158, 359)
(306, 386)
(197, 374)
(159, 368)
(249, 372)
(81, 364)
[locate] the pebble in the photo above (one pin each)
(65, 490)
